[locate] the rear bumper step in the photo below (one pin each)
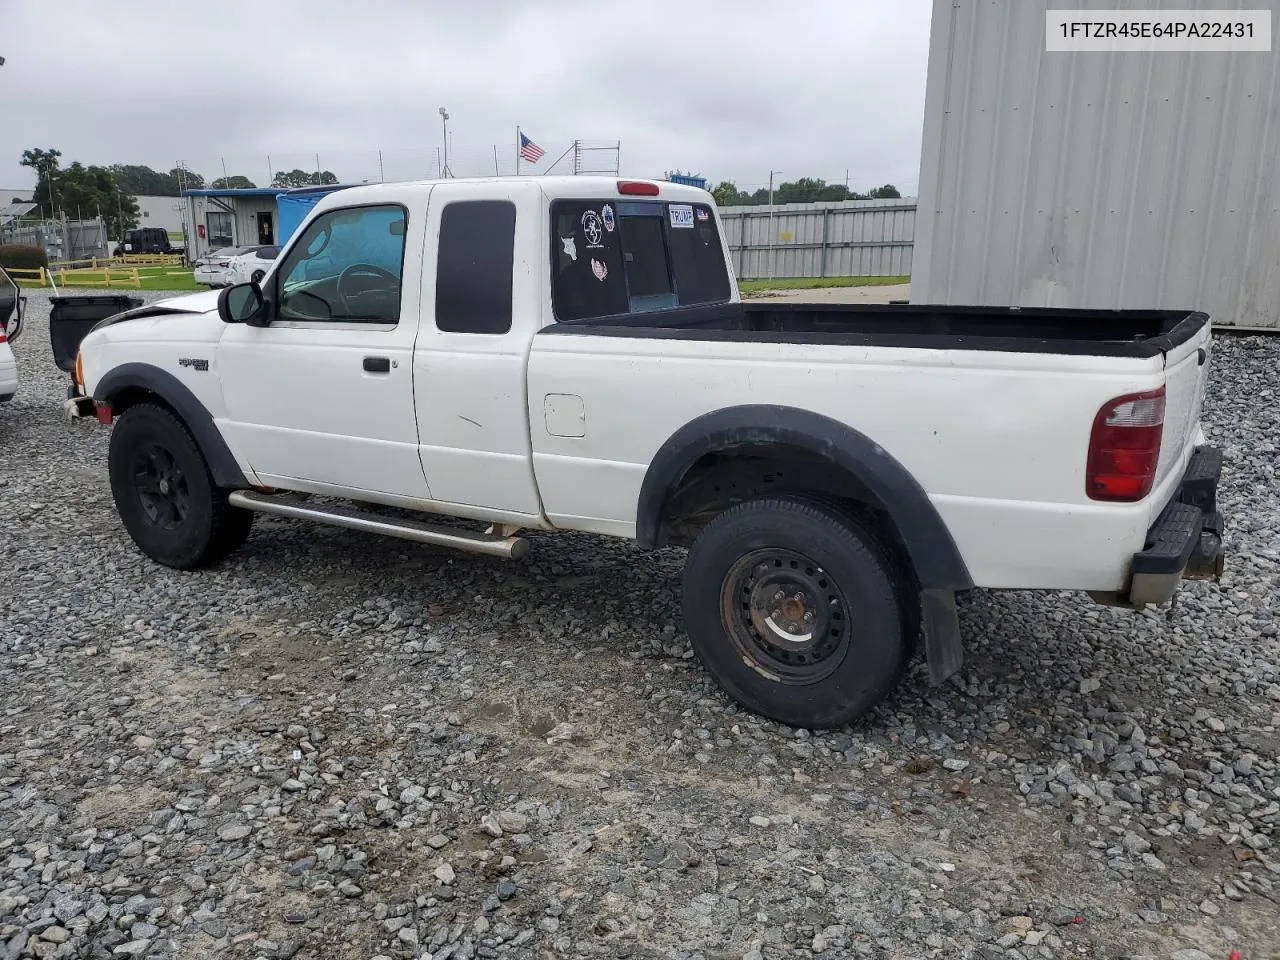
(510, 547)
(1185, 542)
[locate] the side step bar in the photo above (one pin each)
(512, 547)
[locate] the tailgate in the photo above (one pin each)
(1186, 374)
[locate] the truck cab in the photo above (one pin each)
(397, 364)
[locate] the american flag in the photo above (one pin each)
(529, 150)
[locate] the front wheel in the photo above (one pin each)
(791, 606)
(165, 494)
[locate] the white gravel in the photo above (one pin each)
(335, 746)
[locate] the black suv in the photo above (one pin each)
(147, 240)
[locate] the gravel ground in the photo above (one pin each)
(336, 746)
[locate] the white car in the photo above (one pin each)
(252, 265)
(11, 309)
(231, 265)
(571, 353)
(211, 269)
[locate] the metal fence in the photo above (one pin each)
(848, 238)
(61, 240)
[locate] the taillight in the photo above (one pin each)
(4, 337)
(1124, 447)
(637, 188)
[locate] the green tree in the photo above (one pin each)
(804, 190)
(301, 178)
(887, 192)
(143, 181)
(236, 182)
(727, 194)
(80, 192)
(186, 180)
(45, 164)
(87, 192)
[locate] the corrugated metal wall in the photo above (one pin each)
(243, 210)
(848, 238)
(1097, 179)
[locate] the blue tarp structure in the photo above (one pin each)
(293, 209)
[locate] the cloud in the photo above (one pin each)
(730, 89)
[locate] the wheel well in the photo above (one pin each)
(132, 396)
(719, 479)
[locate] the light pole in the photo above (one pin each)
(771, 231)
(444, 126)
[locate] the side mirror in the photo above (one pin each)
(243, 303)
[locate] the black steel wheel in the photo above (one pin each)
(798, 610)
(165, 494)
(782, 609)
(161, 486)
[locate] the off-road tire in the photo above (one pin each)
(189, 524)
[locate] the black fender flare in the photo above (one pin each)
(168, 388)
(933, 552)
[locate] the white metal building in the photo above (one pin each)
(229, 218)
(1101, 180)
(162, 212)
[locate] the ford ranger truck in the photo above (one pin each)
(572, 354)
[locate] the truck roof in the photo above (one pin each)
(565, 185)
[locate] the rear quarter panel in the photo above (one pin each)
(997, 440)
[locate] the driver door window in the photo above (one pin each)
(346, 267)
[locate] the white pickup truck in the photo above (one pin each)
(572, 354)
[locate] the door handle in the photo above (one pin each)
(377, 364)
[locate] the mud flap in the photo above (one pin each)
(941, 634)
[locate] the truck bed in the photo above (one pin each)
(1108, 333)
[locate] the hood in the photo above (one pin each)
(204, 302)
(201, 302)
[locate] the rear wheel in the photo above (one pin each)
(165, 494)
(791, 605)
(258, 275)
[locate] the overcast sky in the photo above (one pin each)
(727, 88)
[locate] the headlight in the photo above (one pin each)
(79, 374)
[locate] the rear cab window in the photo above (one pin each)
(625, 255)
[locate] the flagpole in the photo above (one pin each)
(517, 150)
